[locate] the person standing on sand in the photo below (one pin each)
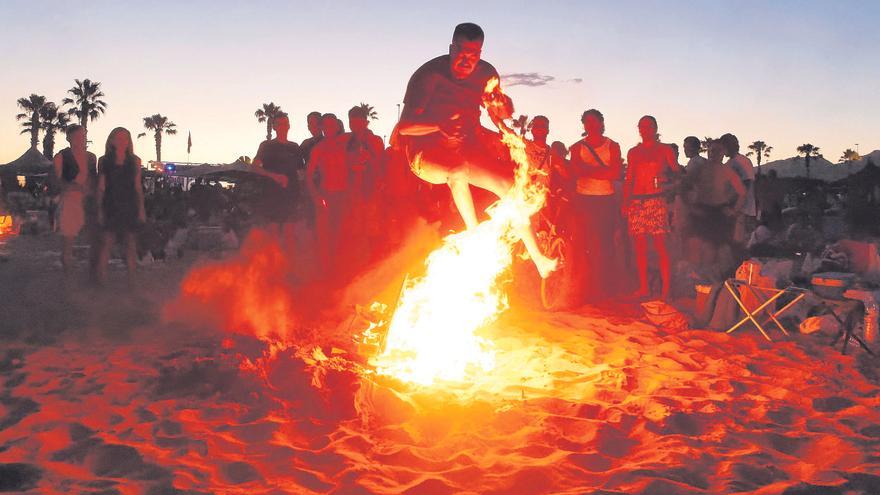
(596, 164)
(280, 160)
(332, 196)
(644, 202)
(120, 198)
(75, 170)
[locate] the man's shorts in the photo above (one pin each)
(434, 158)
(648, 216)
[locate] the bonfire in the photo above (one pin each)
(433, 334)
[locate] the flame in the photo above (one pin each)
(432, 335)
(6, 224)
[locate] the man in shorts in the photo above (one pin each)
(650, 165)
(441, 134)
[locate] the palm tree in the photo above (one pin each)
(761, 151)
(32, 106)
(809, 151)
(704, 143)
(849, 156)
(267, 114)
(158, 124)
(53, 121)
(86, 103)
(370, 111)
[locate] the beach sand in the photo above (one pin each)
(153, 391)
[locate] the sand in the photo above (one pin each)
(159, 391)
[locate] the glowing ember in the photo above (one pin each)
(432, 335)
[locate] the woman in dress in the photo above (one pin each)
(120, 199)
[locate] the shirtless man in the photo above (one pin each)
(717, 198)
(644, 202)
(331, 197)
(441, 133)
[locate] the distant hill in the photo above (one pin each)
(820, 168)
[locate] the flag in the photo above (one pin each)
(189, 142)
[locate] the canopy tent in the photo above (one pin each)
(236, 169)
(868, 175)
(32, 162)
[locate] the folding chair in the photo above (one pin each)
(766, 297)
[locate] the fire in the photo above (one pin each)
(6, 224)
(432, 335)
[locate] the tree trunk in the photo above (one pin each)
(35, 129)
(159, 145)
(807, 164)
(268, 129)
(49, 144)
(84, 117)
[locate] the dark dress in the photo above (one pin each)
(120, 199)
(279, 204)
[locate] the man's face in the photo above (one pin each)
(691, 149)
(77, 139)
(329, 126)
(464, 56)
(716, 152)
(647, 130)
(314, 123)
(728, 146)
(540, 129)
(357, 124)
(593, 126)
(281, 125)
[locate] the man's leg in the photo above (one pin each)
(464, 200)
(499, 185)
(640, 243)
(663, 259)
(67, 253)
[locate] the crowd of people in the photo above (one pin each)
(355, 196)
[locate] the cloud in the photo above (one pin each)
(527, 79)
(534, 79)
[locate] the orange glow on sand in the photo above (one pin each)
(433, 334)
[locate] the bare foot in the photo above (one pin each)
(546, 266)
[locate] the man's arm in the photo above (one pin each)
(311, 168)
(57, 166)
(257, 166)
(738, 188)
(629, 178)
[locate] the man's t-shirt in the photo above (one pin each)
(281, 158)
(746, 172)
(433, 88)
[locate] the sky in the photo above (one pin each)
(786, 72)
